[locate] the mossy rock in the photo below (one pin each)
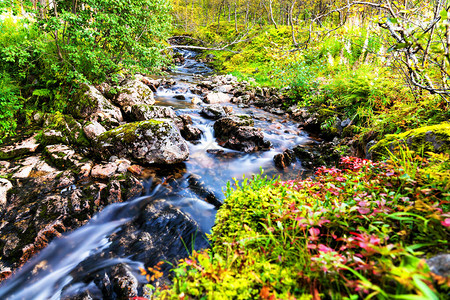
(60, 128)
(88, 100)
(435, 138)
(154, 141)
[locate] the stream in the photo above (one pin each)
(101, 260)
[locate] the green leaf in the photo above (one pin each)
(444, 14)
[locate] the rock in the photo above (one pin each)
(27, 146)
(88, 102)
(28, 165)
(285, 159)
(191, 133)
(236, 133)
(154, 141)
(201, 190)
(219, 97)
(143, 112)
(440, 265)
(224, 88)
(180, 97)
(196, 100)
(368, 149)
(5, 186)
(122, 165)
(59, 128)
(434, 138)
(224, 127)
(132, 92)
(214, 112)
(125, 285)
(85, 170)
(62, 156)
(135, 169)
(93, 129)
(345, 123)
(104, 171)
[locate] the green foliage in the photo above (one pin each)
(108, 36)
(355, 232)
(9, 104)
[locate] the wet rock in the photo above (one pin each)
(368, 149)
(440, 265)
(5, 186)
(88, 102)
(27, 166)
(135, 169)
(132, 92)
(93, 129)
(236, 133)
(143, 112)
(153, 141)
(104, 171)
(85, 170)
(189, 132)
(4, 167)
(180, 97)
(24, 147)
(285, 159)
(214, 112)
(199, 188)
(125, 285)
(219, 97)
(115, 192)
(224, 127)
(247, 139)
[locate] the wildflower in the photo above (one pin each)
(446, 222)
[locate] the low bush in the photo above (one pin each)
(360, 231)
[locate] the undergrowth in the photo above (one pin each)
(363, 230)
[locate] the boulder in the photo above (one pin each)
(435, 138)
(93, 129)
(226, 88)
(236, 133)
(224, 127)
(154, 141)
(24, 147)
(214, 111)
(63, 129)
(189, 132)
(144, 112)
(89, 102)
(132, 92)
(285, 159)
(217, 97)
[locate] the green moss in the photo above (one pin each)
(71, 131)
(130, 132)
(434, 138)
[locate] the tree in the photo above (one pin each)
(93, 38)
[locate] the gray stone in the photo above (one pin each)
(154, 141)
(24, 147)
(132, 92)
(89, 102)
(219, 97)
(214, 111)
(143, 112)
(440, 265)
(93, 129)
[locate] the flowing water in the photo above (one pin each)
(163, 224)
